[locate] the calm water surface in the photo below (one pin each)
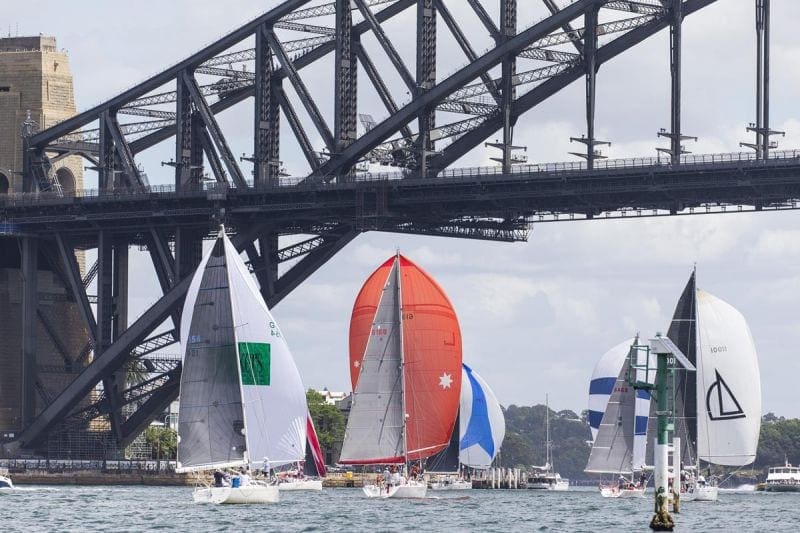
(33, 509)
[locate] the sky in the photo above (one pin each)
(535, 316)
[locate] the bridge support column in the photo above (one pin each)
(346, 79)
(106, 167)
(675, 135)
(266, 145)
(426, 78)
(188, 141)
(675, 35)
(109, 261)
(508, 28)
(590, 57)
(30, 304)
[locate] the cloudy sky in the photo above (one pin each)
(535, 316)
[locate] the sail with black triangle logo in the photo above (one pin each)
(718, 407)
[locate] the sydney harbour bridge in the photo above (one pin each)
(441, 117)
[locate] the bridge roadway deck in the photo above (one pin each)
(370, 200)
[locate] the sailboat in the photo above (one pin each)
(601, 385)
(545, 477)
(481, 430)
(242, 403)
(308, 476)
(718, 408)
(405, 362)
(613, 446)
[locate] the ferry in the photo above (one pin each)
(5, 481)
(784, 478)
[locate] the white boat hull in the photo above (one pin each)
(5, 483)
(558, 486)
(300, 484)
(409, 490)
(614, 492)
(452, 485)
(239, 495)
(701, 494)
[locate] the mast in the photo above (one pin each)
(547, 431)
(246, 457)
(692, 447)
(399, 299)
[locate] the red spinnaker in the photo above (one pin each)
(431, 353)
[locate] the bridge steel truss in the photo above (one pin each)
(446, 117)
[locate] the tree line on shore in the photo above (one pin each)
(524, 444)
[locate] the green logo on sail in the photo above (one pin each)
(254, 359)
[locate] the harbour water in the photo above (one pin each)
(34, 509)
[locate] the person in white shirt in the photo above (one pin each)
(244, 478)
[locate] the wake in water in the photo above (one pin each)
(29, 489)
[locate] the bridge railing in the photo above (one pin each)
(218, 191)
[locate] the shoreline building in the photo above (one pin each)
(35, 87)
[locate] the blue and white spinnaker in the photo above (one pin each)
(482, 424)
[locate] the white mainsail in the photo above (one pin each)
(482, 424)
(241, 400)
(728, 384)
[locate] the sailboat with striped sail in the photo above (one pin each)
(237, 368)
(613, 446)
(405, 363)
(718, 407)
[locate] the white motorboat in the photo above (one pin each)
(546, 479)
(615, 491)
(406, 489)
(5, 481)
(451, 483)
(784, 478)
(289, 484)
